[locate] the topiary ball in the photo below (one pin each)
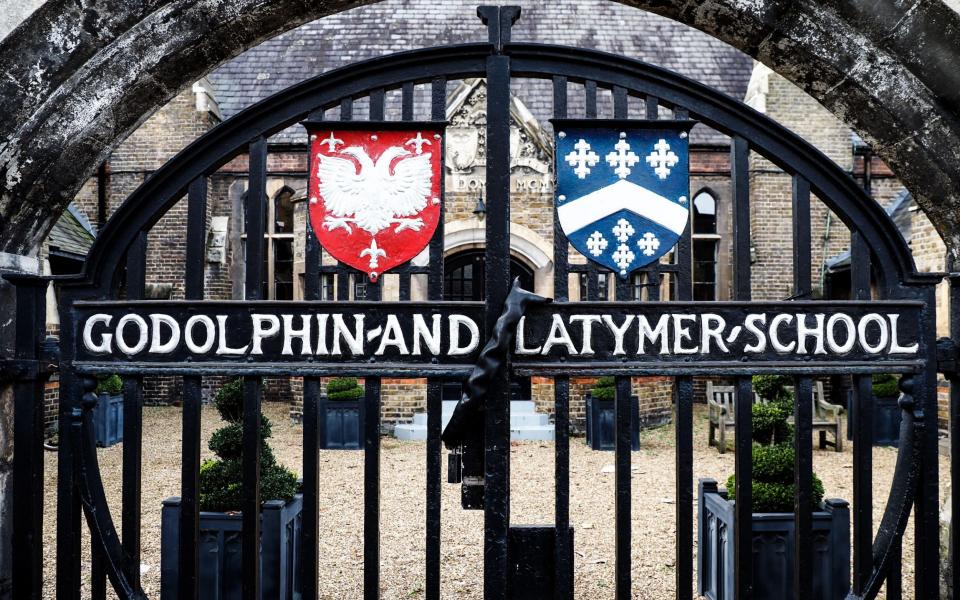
(229, 401)
(770, 424)
(344, 388)
(773, 388)
(885, 385)
(604, 389)
(110, 386)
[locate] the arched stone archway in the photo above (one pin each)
(80, 78)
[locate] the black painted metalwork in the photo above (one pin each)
(28, 375)
(500, 60)
(255, 222)
(803, 408)
(189, 566)
(862, 434)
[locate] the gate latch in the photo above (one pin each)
(464, 433)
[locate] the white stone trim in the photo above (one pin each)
(524, 242)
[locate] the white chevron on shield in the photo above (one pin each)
(622, 195)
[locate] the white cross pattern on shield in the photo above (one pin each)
(629, 208)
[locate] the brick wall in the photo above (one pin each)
(655, 397)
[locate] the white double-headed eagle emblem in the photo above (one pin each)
(388, 192)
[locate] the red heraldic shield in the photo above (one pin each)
(375, 193)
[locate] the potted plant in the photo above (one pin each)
(108, 413)
(887, 415)
(773, 517)
(221, 483)
(601, 416)
(341, 415)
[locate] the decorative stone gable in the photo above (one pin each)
(530, 148)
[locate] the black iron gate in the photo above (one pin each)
(632, 87)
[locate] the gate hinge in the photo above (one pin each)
(948, 357)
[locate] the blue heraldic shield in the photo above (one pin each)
(622, 193)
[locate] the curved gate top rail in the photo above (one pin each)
(784, 148)
(483, 451)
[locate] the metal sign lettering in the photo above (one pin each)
(375, 192)
(622, 189)
(548, 337)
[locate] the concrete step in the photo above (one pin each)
(525, 422)
(532, 432)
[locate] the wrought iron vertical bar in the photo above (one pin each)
(98, 574)
(371, 439)
(652, 110)
(497, 409)
(623, 286)
(683, 432)
(189, 554)
(927, 505)
(623, 528)
(862, 432)
(561, 390)
(564, 555)
(743, 467)
(133, 422)
(561, 278)
(438, 108)
(590, 96)
(433, 489)
(406, 101)
(310, 537)
(68, 500)
(253, 284)
(377, 100)
(622, 448)
(590, 111)
(371, 489)
(803, 406)
(684, 487)
(28, 431)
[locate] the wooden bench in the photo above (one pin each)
(721, 413)
(720, 403)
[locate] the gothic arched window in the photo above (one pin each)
(705, 243)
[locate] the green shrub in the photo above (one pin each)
(604, 389)
(221, 480)
(229, 401)
(885, 385)
(344, 388)
(773, 454)
(110, 385)
(770, 424)
(775, 497)
(774, 389)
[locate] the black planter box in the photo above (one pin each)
(601, 423)
(220, 541)
(773, 549)
(341, 424)
(108, 419)
(886, 420)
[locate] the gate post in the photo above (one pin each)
(28, 375)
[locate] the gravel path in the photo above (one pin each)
(402, 507)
